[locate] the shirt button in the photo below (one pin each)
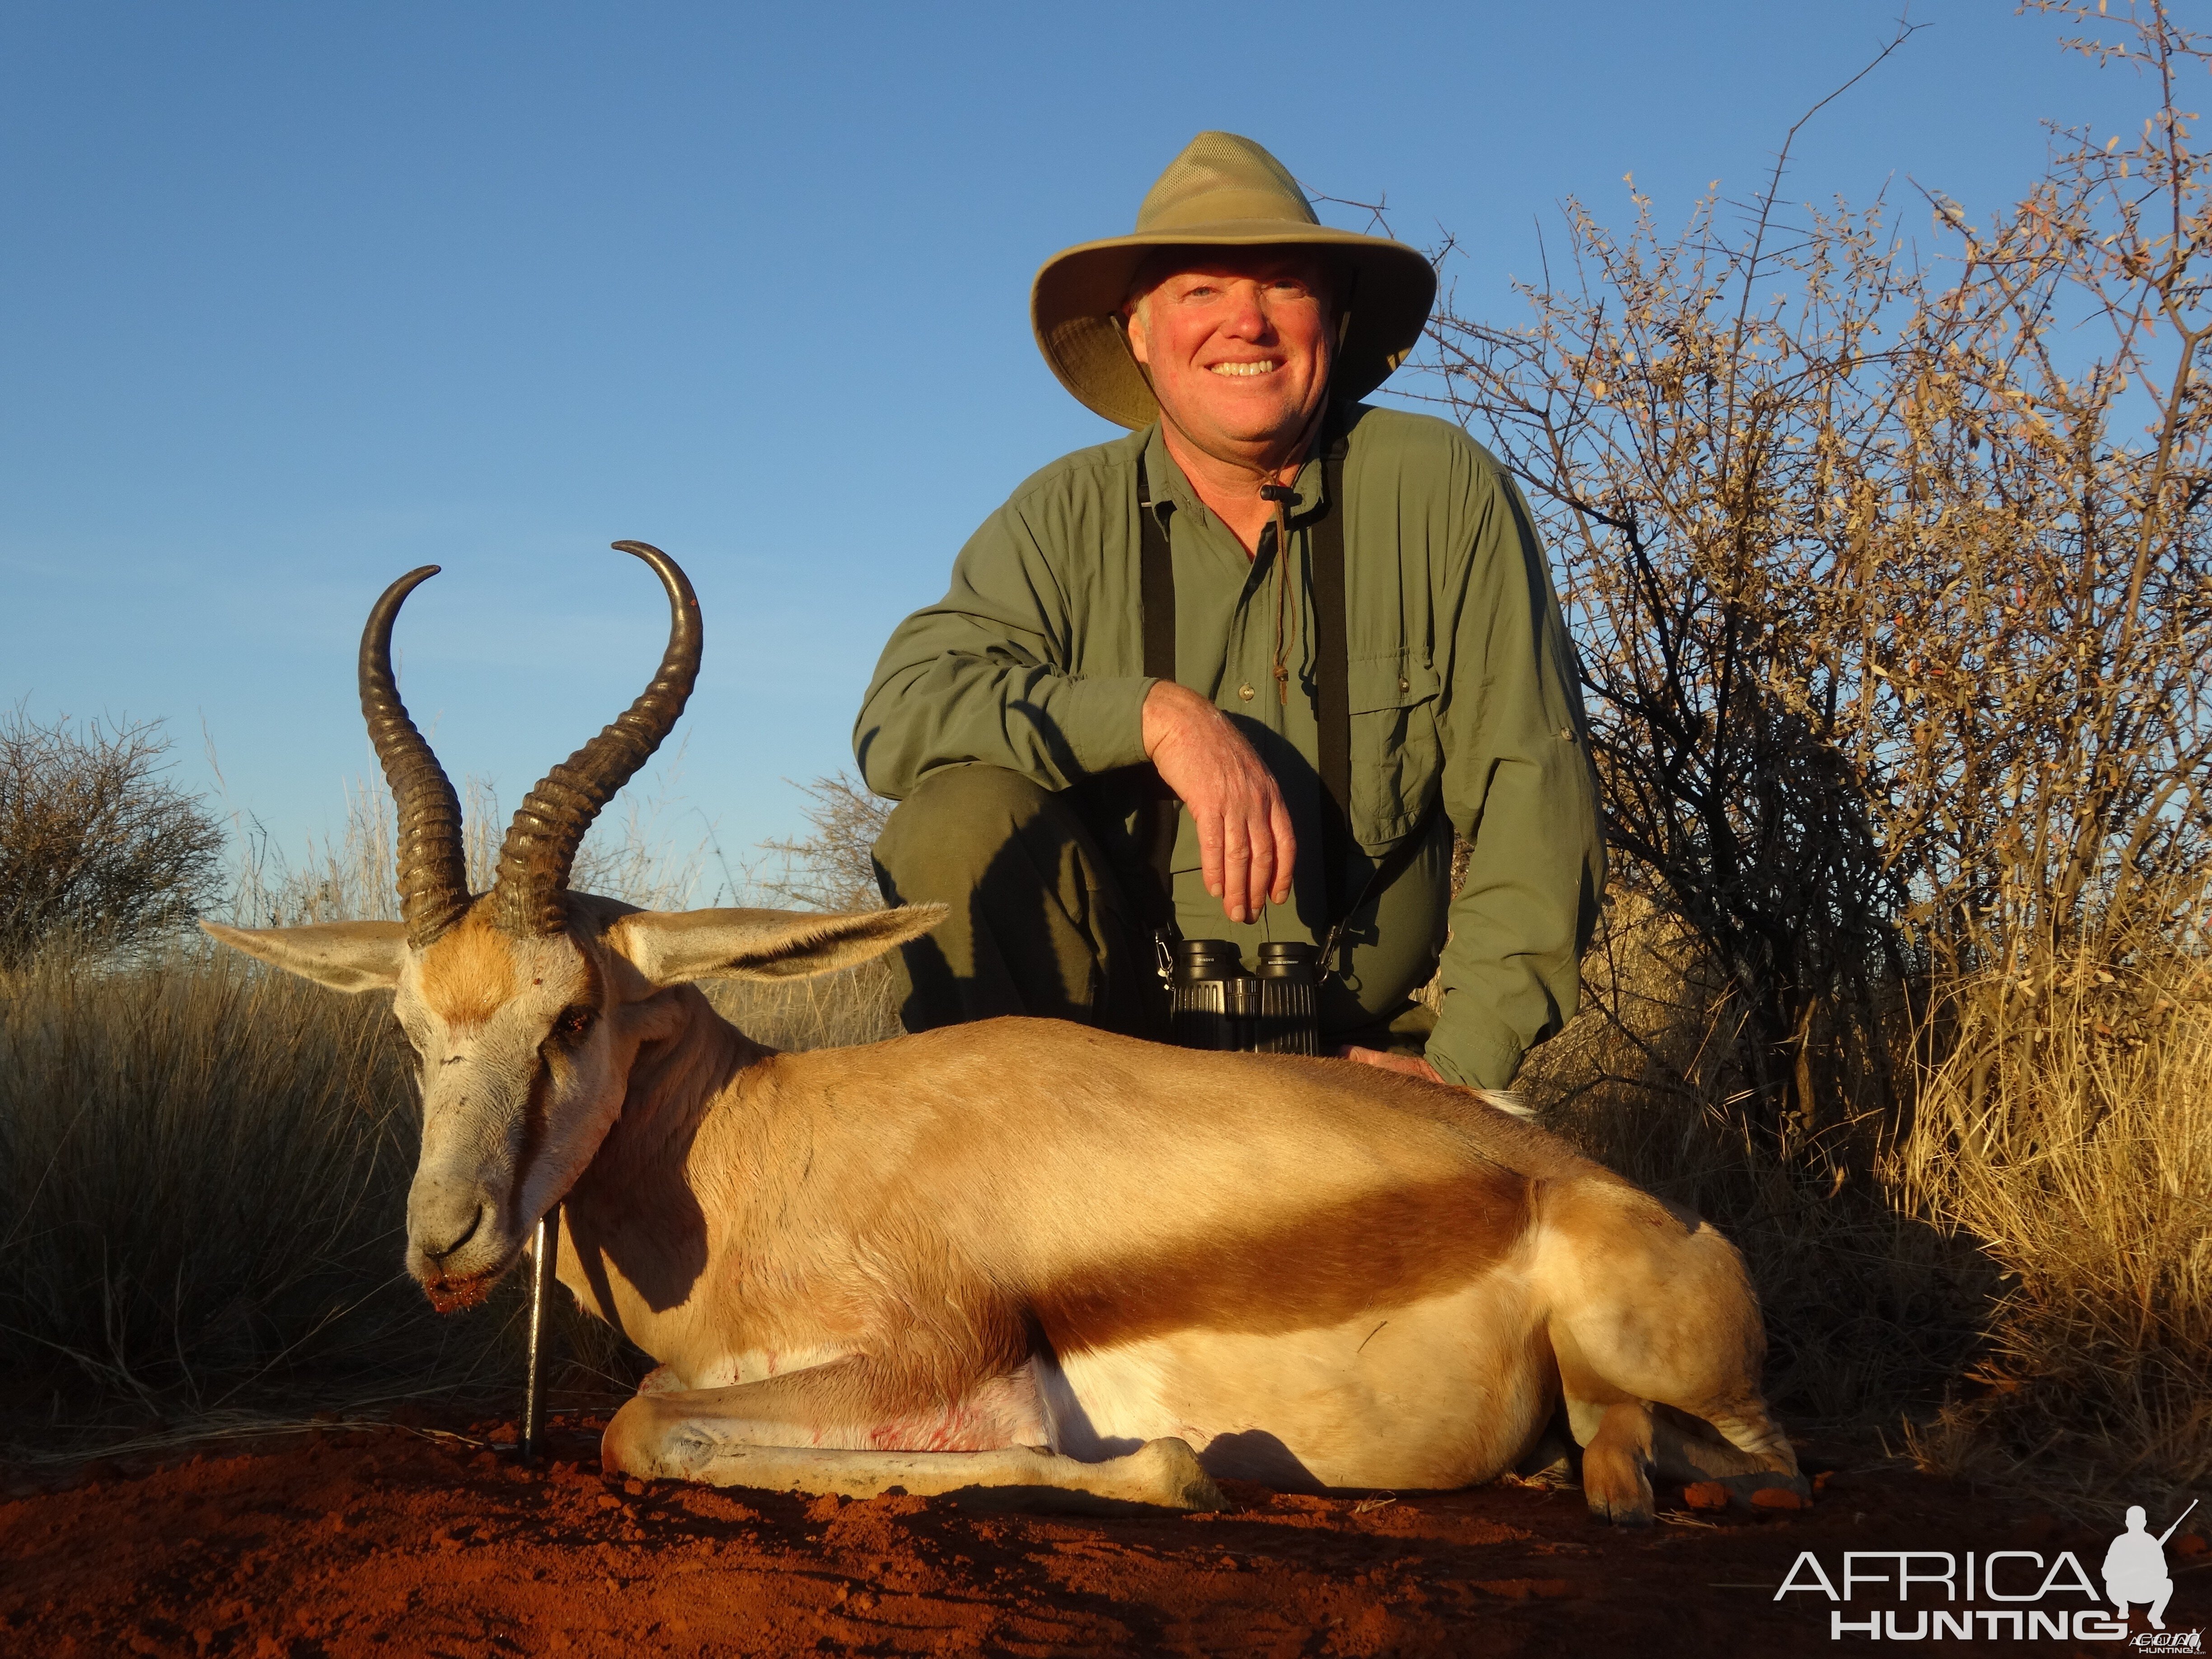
(1245, 692)
(1403, 685)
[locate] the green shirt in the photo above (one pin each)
(1461, 680)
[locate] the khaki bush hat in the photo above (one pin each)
(1222, 191)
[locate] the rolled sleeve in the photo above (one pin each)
(1519, 785)
(983, 676)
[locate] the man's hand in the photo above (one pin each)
(1245, 841)
(1410, 1065)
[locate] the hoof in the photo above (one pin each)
(1622, 1514)
(1167, 1473)
(1617, 1486)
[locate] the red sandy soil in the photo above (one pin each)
(353, 1542)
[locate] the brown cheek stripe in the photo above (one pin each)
(537, 1110)
(534, 1118)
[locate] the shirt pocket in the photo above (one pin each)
(1396, 754)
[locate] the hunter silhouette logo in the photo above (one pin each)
(2135, 1566)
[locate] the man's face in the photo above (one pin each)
(1239, 348)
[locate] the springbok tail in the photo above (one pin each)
(1508, 1103)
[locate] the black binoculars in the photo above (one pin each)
(1214, 1002)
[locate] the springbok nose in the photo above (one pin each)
(442, 1221)
(438, 1252)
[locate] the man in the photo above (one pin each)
(1323, 750)
(2135, 1568)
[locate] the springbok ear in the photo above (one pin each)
(346, 956)
(673, 947)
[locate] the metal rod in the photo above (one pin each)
(545, 1245)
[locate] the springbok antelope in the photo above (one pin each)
(1020, 1252)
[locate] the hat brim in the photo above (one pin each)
(1080, 290)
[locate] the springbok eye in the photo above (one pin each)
(574, 1022)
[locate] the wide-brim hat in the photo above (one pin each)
(1223, 191)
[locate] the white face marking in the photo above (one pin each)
(518, 1088)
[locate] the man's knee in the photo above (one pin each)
(954, 825)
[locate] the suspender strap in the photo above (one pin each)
(1156, 583)
(1156, 598)
(1332, 676)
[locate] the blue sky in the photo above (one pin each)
(296, 297)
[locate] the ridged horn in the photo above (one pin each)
(434, 888)
(540, 848)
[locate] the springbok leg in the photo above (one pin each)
(1636, 1440)
(1743, 1451)
(832, 1430)
(1617, 1465)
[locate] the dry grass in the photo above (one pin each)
(834, 1011)
(2067, 1131)
(203, 1167)
(833, 865)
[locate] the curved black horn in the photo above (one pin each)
(434, 888)
(534, 861)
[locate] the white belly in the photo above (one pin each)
(1438, 1393)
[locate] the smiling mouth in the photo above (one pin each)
(1242, 371)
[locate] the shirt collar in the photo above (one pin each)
(1169, 485)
